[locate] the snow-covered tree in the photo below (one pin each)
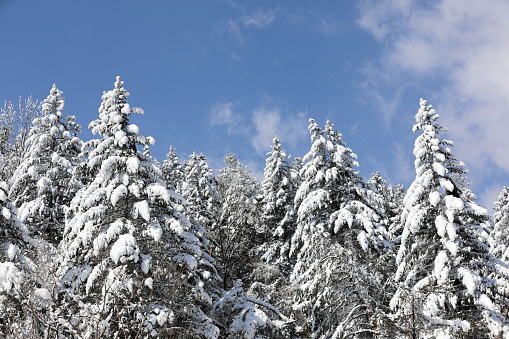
(198, 190)
(242, 316)
(173, 172)
(133, 261)
(278, 215)
(42, 185)
(15, 269)
(15, 122)
(337, 235)
(500, 233)
(443, 260)
(272, 265)
(236, 228)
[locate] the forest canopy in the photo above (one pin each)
(99, 239)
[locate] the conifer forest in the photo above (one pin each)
(101, 240)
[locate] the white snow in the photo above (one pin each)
(439, 169)
(441, 270)
(125, 248)
(149, 282)
(434, 198)
(146, 263)
(11, 250)
(133, 164)
(6, 213)
(453, 203)
(43, 293)
(132, 128)
(119, 192)
(446, 185)
(441, 224)
(9, 275)
(142, 208)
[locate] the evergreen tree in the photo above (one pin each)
(15, 270)
(199, 192)
(15, 123)
(278, 214)
(236, 228)
(172, 170)
(500, 233)
(42, 185)
(336, 237)
(133, 261)
(443, 261)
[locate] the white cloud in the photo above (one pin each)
(269, 121)
(259, 19)
(222, 114)
(234, 29)
(465, 41)
(488, 197)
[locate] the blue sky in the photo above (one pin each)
(224, 76)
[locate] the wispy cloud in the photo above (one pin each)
(234, 29)
(465, 42)
(269, 121)
(222, 114)
(259, 19)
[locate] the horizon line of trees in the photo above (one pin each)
(98, 239)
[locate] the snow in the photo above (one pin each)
(125, 248)
(441, 224)
(43, 293)
(149, 282)
(146, 263)
(446, 185)
(142, 209)
(470, 280)
(453, 203)
(11, 250)
(10, 275)
(6, 213)
(363, 240)
(118, 193)
(132, 128)
(434, 198)
(441, 267)
(439, 169)
(133, 164)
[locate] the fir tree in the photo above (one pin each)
(172, 170)
(236, 228)
(15, 269)
(199, 192)
(132, 259)
(42, 185)
(443, 261)
(278, 214)
(500, 233)
(335, 293)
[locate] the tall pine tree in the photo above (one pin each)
(443, 260)
(132, 259)
(42, 185)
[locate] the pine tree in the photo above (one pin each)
(15, 269)
(272, 265)
(443, 261)
(198, 190)
(42, 185)
(172, 170)
(500, 233)
(236, 228)
(133, 261)
(278, 214)
(15, 123)
(337, 234)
